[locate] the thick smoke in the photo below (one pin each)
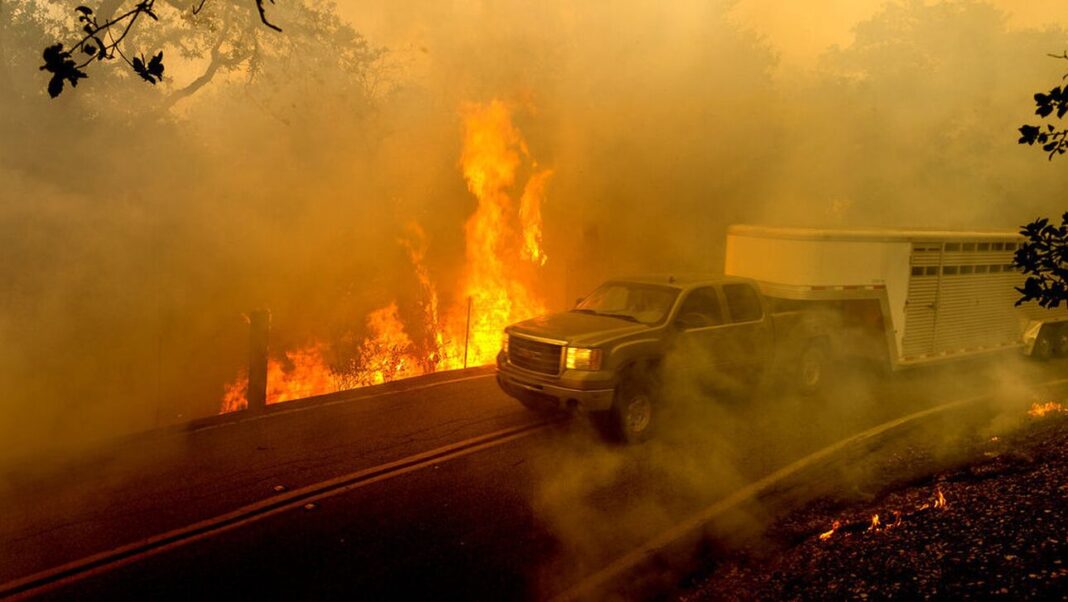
(136, 232)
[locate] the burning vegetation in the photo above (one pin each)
(1038, 410)
(503, 239)
(876, 524)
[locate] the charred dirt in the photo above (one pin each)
(991, 522)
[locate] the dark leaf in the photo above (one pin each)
(155, 66)
(1044, 110)
(59, 63)
(55, 85)
(89, 49)
(85, 10)
(152, 72)
(53, 57)
(1028, 133)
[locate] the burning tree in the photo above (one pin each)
(503, 239)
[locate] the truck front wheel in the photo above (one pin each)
(631, 418)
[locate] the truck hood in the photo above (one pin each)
(577, 328)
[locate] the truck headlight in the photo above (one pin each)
(504, 343)
(582, 358)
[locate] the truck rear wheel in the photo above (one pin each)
(631, 418)
(811, 368)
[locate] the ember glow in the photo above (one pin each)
(504, 250)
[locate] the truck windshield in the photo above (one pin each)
(644, 303)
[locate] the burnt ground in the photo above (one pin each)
(1003, 532)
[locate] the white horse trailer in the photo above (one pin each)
(923, 296)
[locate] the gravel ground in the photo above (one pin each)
(1001, 533)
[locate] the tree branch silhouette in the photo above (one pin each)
(64, 68)
(1044, 255)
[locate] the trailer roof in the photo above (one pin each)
(871, 234)
(679, 280)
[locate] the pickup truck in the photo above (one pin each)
(603, 356)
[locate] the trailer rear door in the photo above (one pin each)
(921, 305)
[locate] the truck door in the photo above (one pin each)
(746, 334)
(700, 323)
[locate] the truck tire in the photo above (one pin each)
(1043, 349)
(631, 418)
(811, 368)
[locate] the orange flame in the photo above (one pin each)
(493, 152)
(1039, 410)
(503, 245)
(387, 354)
(302, 374)
(940, 500)
(874, 523)
(530, 217)
(827, 534)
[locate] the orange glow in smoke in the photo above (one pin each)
(503, 239)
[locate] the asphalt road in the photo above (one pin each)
(527, 517)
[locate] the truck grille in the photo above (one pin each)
(534, 355)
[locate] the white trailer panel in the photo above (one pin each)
(944, 294)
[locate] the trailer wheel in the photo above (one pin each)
(1043, 349)
(631, 418)
(812, 368)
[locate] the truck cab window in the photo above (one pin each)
(743, 303)
(701, 309)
